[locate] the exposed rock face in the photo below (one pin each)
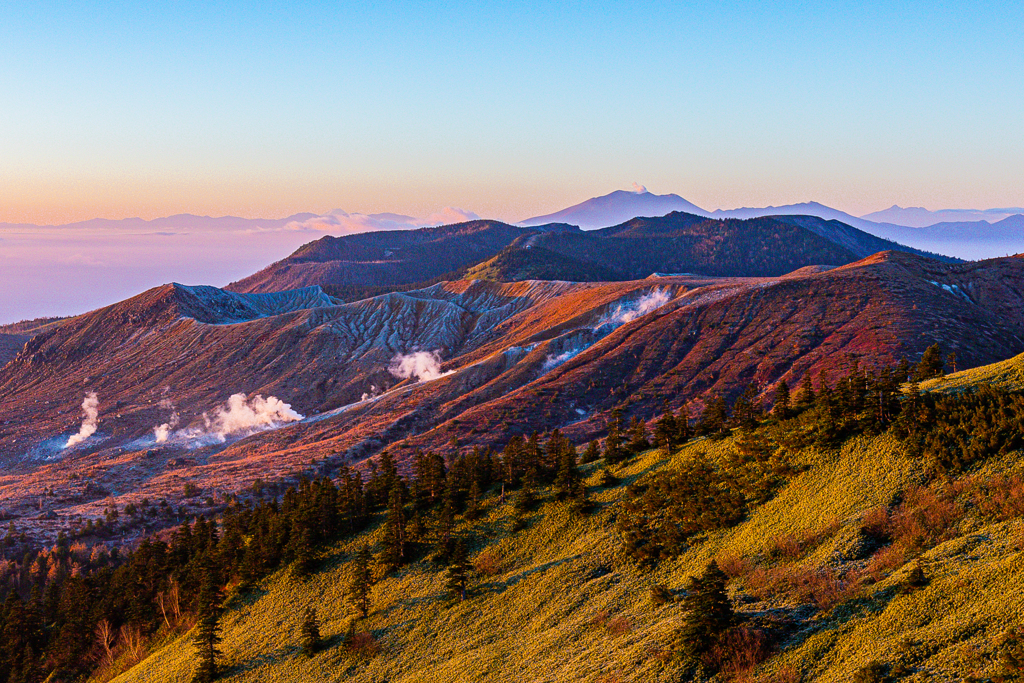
(516, 357)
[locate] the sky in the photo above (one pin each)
(508, 110)
(505, 110)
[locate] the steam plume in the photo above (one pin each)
(90, 417)
(623, 314)
(163, 432)
(239, 416)
(423, 365)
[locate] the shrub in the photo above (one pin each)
(1011, 653)
(1000, 497)
(618, 626)
(733, 565)
(914, 579)
(488, 563)
(884, 561)
(739, 650)
(872, 672)
(362, 645)
(661, 595)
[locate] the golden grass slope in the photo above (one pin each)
(1007, 375)
(565, 606)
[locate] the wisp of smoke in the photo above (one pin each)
(623, 314)
(639, 189)
(238, 417)
(425, 366)
(554, 360)
(163, 432)
(90, 418)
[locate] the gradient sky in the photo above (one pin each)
(267, 109)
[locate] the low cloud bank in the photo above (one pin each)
(343, 221)
(90, 419)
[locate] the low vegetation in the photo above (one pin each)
(838, 536)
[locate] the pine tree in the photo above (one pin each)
(931, 364)
(394, 528)
(568, 479)
(805, 396)
(303, 566)
(638, 442)
(709, 613)
(360, 581)
(207, 635)
(745, 412)
(714, 419)
(473, 509)
(666, 431)
(613, 451)
(310, 632)
(591, 453)
(458, 571)
(781, 408)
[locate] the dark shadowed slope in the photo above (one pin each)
(677, 242)
(387, 258)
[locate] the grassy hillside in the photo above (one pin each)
(559, 602)
(1007, 375)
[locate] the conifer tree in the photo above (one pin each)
(666, 431)
(473, 510)
(931, 364)
(805, 396)
(591, 453)
(568, 479)
(745, 412)
(638, 442)
(360, 581)
(709, 613)
(613, 451)
(444, 526)
(310, 632)
(303, 554)
(714, 420)
(207, 636)
(394, 528)
(781, 408)
(458, 571)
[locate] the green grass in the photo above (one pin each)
(549, 615)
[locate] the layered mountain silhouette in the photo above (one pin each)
(675, 243)
(967, 234)
(617, 207)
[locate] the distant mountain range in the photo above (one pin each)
(675, 243)
(917, 217)
(617, 207)
(966, 234)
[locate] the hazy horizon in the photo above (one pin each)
(271, 110)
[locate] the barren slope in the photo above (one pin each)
(519, 357)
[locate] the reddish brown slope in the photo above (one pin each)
(713, 336)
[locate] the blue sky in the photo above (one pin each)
(265, 109)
